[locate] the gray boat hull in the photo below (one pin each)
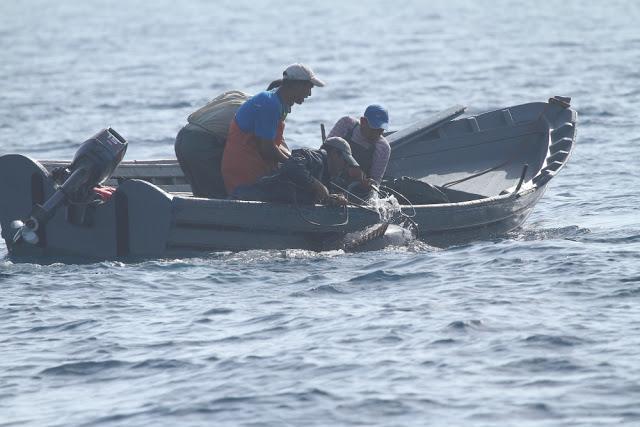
(478, 161)
(143, 220)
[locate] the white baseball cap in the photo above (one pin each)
(303, 73)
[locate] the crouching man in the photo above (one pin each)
(305, 177)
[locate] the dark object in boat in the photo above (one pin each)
(416, 191)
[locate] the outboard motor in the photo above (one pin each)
(94, 162)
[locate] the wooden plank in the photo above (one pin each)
(165, 174)
(168, 171)
(134, 169)
(123, 163)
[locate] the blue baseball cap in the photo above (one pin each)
(377, 116)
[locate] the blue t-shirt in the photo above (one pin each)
(260, 115)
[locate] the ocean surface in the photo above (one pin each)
(539, 328)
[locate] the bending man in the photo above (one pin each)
(305, 177)
(200, 144)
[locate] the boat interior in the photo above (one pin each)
(459, 160)
(488, 154)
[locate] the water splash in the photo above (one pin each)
(398, 232)
(388, 208)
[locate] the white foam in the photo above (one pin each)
(386, 207)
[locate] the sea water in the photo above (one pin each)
(538, 328)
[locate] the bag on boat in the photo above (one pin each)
(216, 116)
(418, 192)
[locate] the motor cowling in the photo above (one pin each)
(94, 163)
(98, 157)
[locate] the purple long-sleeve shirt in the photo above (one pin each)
(381, 149)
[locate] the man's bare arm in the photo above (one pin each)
(270, 152)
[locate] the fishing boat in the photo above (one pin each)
(457, 179)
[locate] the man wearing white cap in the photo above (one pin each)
(255, 142)
(200, 144)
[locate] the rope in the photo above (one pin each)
(309, 221)
(458, 181)
(364, 202)
(402, 196)
(407, 221)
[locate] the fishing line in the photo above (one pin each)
(458, 181)
(402, 196)
(407, 221)
(365, 205)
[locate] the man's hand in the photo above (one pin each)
(337, 200)
(356, 174)
(368, 183)
(284, 153)
(320, 192)
(272, 152)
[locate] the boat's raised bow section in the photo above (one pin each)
(487, 153)
(561, 122)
